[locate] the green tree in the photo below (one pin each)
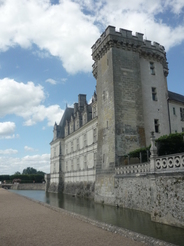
(29, 170)
(17, 173)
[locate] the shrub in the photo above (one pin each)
(143, 152)
(170, 144)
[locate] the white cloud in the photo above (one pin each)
(63, 80)
(26, 100)
(10, 136)
(7, 129)
(176, 6)
(51, 81)
(41, 54)
(27, 148)
(9, 165)
(8, 151)
(69, 29)
(51, 28)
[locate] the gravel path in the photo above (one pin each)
(25, 222)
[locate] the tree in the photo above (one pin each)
(17, 173)
(29, 170)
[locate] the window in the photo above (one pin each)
(54, 151)
(85, 140)
(182, 129)
(94, 135)
(66, 166)
(156, 123)
(174, 111)
(152, 68)
(66, 149)
(78, 165)
(54, 167)
(85, 162)
(154, 94)
(72, 146)
(71, 165)
(94, 159)
(78, 147)
(182, 113)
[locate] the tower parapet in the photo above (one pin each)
(126, 41)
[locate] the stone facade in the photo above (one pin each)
(131, 100)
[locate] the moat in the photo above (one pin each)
(126, 218)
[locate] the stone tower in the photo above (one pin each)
(132, 99)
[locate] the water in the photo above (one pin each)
(126, 218)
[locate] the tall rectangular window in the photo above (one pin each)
(66, 166)
(154, 94)
(152, 68)
(174, 111)
(182, 113)
(66, 149)
(182, 129)
(78, 165)
(85, 140)
(94, 135)
(157, 126)
(85, 162)
(95, 159)
(71, 146)
(72, 165)
(78, 147)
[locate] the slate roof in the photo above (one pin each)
(66, 116)
(176, 97)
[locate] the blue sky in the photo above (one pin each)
(45, 62)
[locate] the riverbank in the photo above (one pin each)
(27, 222)
(28, 186)
(24, 186)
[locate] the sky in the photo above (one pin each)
(45, 62)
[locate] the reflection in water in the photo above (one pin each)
(126, 218)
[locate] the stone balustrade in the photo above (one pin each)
(170, 163)
(134, 169)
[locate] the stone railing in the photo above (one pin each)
(170, 163)
(135, 169)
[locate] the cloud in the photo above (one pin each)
(7, 129)
(41, 54)
(8, 151)
(26, 148)
(63, 80)
(10, 136)
(26, 101)
(51, 28)
(51, 81)
(68, 29)
(10, 165)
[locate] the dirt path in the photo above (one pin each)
(25, 222)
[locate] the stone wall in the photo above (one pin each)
(134, 193)
(168, 202)
(81, 189)
(160, 195)
(32, 186)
